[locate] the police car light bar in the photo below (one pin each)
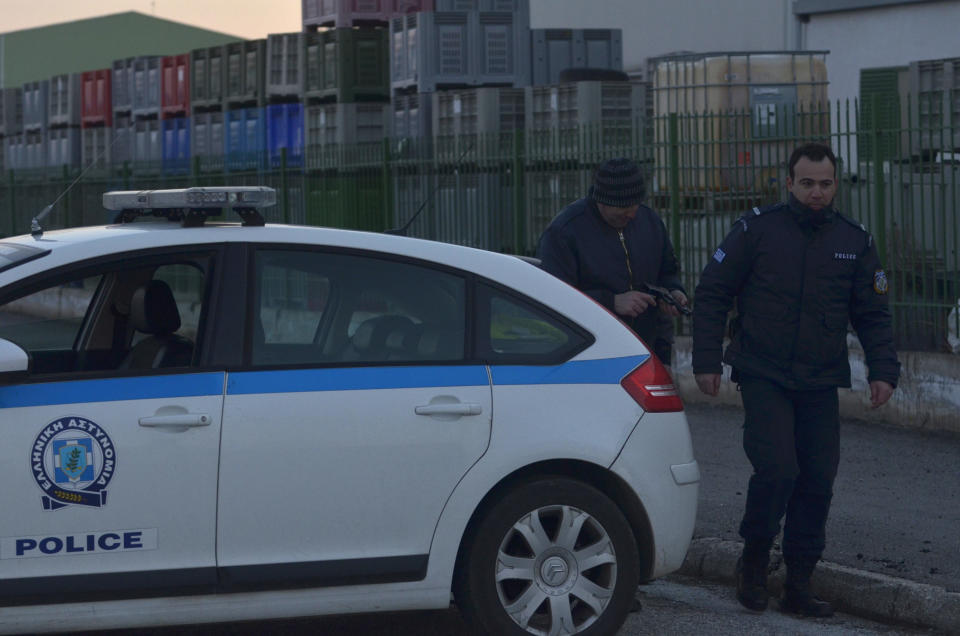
(236, 197)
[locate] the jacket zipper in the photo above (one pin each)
(626, 253)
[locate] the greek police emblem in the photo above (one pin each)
(73, 461)
(880, 284)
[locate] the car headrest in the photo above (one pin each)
(153, 309)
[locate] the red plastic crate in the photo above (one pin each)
(175, 85)
(95, 98)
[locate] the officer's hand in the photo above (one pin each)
(709, 383)
(632, 303)
(880, 392)
(670, 310)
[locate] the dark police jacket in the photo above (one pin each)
(797, 286)
(582, 249)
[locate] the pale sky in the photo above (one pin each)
(249, 19)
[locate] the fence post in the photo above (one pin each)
(387, 189)
(126, 175)
(519, 211)
(673, 134)
(879, 185)
(13, 200)
(284, 195)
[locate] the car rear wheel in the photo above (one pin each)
(553, 556)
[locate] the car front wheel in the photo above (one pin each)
(552, 556)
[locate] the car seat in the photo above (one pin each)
(153, 311)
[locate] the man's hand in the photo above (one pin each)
(670, 310)
(880, 392)
(709, 383)
(632, 303)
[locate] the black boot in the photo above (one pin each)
(751, 576)
(797, 595)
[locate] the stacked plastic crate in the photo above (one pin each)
(63, 119)
(208, 78)
(136, 113)
(284, 110)
(11, 125)
(29, 150)
(96, 119)
(245, 95)
(175, 113)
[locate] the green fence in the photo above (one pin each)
(499, 191)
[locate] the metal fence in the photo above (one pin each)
(499, 191)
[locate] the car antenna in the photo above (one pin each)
(36, 231)
(402, 231)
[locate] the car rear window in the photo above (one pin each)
(13, 254)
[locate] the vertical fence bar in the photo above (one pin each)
(674, 154)
(386, 186)
(519, 199)
(284, 187)
(879, 197)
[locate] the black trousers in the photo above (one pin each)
(792, 438)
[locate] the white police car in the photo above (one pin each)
(219, 421)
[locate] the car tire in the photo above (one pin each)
(551, 555)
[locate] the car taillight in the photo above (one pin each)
(652, 387)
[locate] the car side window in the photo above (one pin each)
(313, 307)
(124, 316)
(515, 330)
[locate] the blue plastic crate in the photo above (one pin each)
(176, 145)
(285, 130)
(244, 139)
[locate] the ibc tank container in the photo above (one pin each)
(739, 106)
(96, 101)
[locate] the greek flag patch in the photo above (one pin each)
(719, 255)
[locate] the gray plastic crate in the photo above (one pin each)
(63, 106)
(207, 137)
(11, 111)
(95, 147)
(123, 140)
(934, 87)
(459, 48)
(208, 77)
(35, 96)
(147, 145)
(494, 114)
(284, 61)
(246, 74)
(136, 86)
(27, 151)
(554, 50)
(413, 115)
(346, 13)
(351, 123)
(563, 117)
(63, 147)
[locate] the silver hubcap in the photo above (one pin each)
(556, 571)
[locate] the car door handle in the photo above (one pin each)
(181, 420)
(457, 408)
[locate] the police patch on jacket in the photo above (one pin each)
(880, 284)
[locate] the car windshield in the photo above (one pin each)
(12, 254)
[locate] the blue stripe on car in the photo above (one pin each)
(111, 389)
(354, 379)
(604, 371)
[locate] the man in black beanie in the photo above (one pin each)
(609, 245)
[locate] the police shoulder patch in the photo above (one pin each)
(758, 212)
(880, 283)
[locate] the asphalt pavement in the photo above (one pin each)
(893, 537)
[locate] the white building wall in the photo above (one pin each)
(886, 36)
(658, 27)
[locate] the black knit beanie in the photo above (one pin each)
(618, 183)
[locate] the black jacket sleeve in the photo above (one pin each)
(870, 317)
(720, 282)
(557, 252)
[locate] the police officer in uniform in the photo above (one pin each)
(799, 272)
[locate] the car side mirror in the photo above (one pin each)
(14, 362)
